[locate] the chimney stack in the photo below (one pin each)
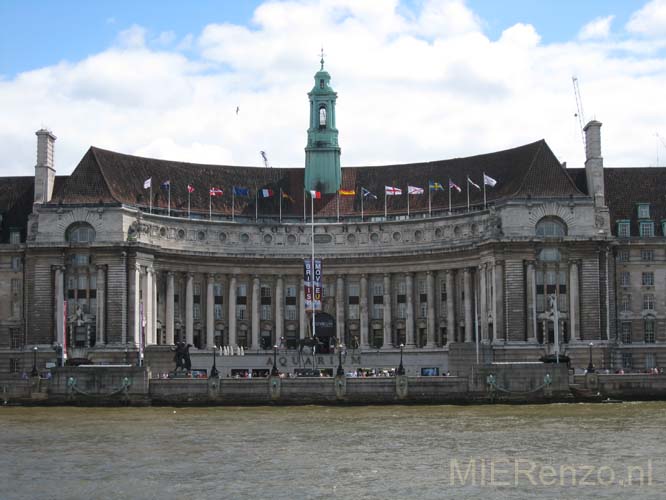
(45, 168)
(594, 163)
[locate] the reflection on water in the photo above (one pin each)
(420, 452)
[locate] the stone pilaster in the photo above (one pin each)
(189, 308)
(301, 310)
(430, 290)
(232, 310)
(409, 322)
(210, 311)
(467, 290)
(135, 286)
(364, 312)
(483, 302)
(450, 305)
(340, 308)
(574, 307)
(101, 306)
(59, 312)
(148, 308)
(531, 303)
(169, 313)
(388, 331)
(256, 297)
(498, 302)
(279, 309)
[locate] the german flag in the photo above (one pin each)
(347, 192)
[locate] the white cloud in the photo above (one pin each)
(406, 93)
(650, 20)
(598, 28)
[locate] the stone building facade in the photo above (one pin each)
(100, 262)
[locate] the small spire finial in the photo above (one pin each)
(322, 58)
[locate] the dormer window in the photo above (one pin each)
(643, 210)
(646, 229)
(14, 236)
(623, 228)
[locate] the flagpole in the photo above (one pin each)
(429, 202)
(312, 269)
(468, 193)
(233, 203)
(304, 217)
(362, 196)
(169, 210)
(449, 195)
(408, 202)
(476, 324)
(385, 213)
(151, 195)
(188, 201)
(256, 204)
(484, 190)
(210, 205)
(280, 205)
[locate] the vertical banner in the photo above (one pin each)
(312, 283)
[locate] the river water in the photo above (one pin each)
(422, 452)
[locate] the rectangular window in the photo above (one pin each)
(16, 308)
(378, 289)
(291, 313)
(266, 299)
(650, 361)
(196, 311)
(16, 263)
(627, 360)
(540, 297)
(422, 287)
(241, 295)
(646, 229)
(14, 237)
(240, 311)
(16, 283)
(649, 331)
(647, 254)
(402, 288)
(623, 255)
(647, 279)
(626, 332)
(14, 365)
(648, 302)
(623, 229)
(625, 278)
(625, 305)
(402, 310)
(643, 210)
(423, 310)
(15, 338)
(218, 311)
(266, 312)
(442, 291)
(377, 311)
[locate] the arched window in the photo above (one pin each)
(80, 232)
(322, 116)
(551, 227)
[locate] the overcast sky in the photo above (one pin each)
(416, 80)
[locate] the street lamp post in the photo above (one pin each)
(341, 371)
(213, 370)
(401, 368)
(34, 371)
(274, 371)
(590, 366)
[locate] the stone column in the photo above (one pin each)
(136, 286)
(573, 302)
(256, 293)
(450, 306)
(232, 310)
(409, 322)
(388, 340)
(189, 308)
(279, 309)
(531, 303)
(148, 308)
(340, 308)
(430, 290)
(498, 303)
(169, 313)
(364, 312)
(154, 294)
(467, 290)
(483, 302)
(301, 310)
(101, 303)
(210, 311)
(59, 312)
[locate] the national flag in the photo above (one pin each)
(148, 183)
(367, 194)
(241, 191)
(216, 191)
(347, 192)
(414, 190)
(315, 195)
(435, 186)
(287, 197)
(489, 181)
(190, 188)
(473, 183)
(453, 185)
(392, 191)
(166, 184)
(266, 193)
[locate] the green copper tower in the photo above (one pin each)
(322, 154)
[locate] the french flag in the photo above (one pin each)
(266, 193)
(315, 195)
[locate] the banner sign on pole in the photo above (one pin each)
(312, 283)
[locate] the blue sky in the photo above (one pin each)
(418, 80)
(36, 33)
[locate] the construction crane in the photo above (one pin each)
(579, 108)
